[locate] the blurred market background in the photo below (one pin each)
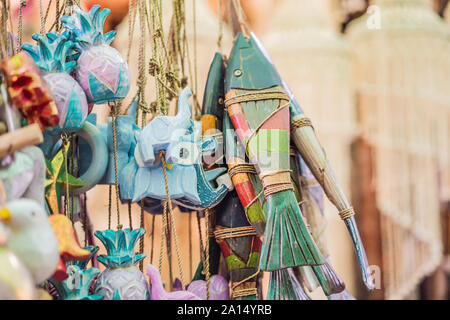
(374, 77)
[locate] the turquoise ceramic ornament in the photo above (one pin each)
(31, 238)
(77, 286)
(101, 71)
(53, 54)
(126, 129)
(122, 278)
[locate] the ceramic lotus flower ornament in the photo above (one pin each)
(53, 55)
(101, 71)
(122, 279)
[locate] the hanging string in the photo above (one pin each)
(73, 147)
(58, 14)
(157, 67)
(141, 84)
(141, 243)
(169, 246)
(130, 220)
(59, 10)
(197, 108)
(174, 37)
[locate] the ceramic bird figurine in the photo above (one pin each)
(28, 90)
(258, 107)
(80, 281)
(157, 291)
(31, 237)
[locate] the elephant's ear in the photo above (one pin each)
(208, 145)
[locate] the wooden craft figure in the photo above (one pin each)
(16, 282)
(189, 185)
(52, 55)
(101, 71)
(330, 282)
(93, 155)
(311, 197)
(10, 117)
(218, 288)
(240, 247)
(122, 279)
(57, 179)
(126, 129)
